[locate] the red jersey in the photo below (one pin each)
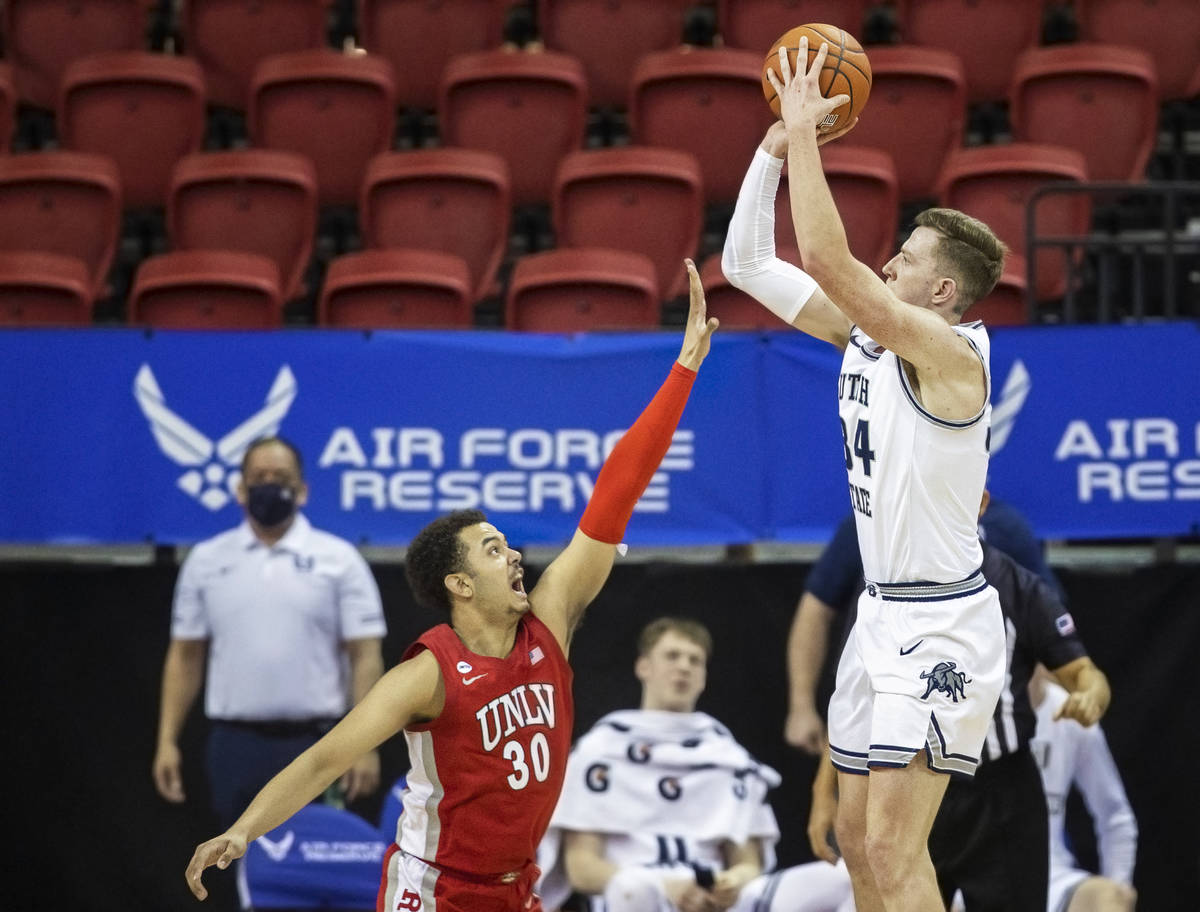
(487, 772)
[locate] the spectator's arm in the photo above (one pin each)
(808, 645)
(366, 667)
(1099, 783)
(743, 863)
(182, 678)
(588, 870)
(823, 810)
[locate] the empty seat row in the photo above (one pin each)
(571, 290)
(458, 202)
(146, 111)
(229, 39)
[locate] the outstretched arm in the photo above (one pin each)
(412, 691)
(917, 335)
(574, 578)
(749, 260)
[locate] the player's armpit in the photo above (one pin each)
(570, 583)
(821, 318)
(411, 692)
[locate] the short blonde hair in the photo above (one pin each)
(685, 627)
(968, 250)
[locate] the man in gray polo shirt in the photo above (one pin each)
(286, 622)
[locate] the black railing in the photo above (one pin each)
(1131, 226)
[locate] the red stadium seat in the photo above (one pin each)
(66, 203)
(995, 183)
(528, 108)
(1167, 30)
(43, 289)
(610, 37)
(42, 37)
(1006, 305)
(451, 200)
(757, 24)
(260, 201)
(732, 306)
(392, 289)
(987, 37)
(420, 38)
(916, 112)
(229, 38)
(8, 107)
(867, 193)
(336, 109)
(581, 289)
(707, 101)
(637, 198)
(145, 111)
(207, 289)
(1099, 99)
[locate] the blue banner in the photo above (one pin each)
(122, 436)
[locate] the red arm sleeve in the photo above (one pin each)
(634, 460)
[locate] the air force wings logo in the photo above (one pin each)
(277, 850)
(209, 478)
(1012, 397)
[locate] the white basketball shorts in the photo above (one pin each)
(921, 671)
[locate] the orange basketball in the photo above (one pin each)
(846, 72)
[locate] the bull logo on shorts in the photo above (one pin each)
(944, 679)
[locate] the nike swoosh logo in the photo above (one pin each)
(470, 681)
(905, 652)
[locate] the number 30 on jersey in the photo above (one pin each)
(536, 761)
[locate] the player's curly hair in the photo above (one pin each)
(436, 552)
(969, 251)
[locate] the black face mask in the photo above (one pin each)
(270, 504)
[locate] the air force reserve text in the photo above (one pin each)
(524, 469)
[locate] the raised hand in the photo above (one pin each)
(697, 335)
(800, 100)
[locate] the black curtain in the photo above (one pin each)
(83, 649)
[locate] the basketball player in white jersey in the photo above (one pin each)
(923, 667)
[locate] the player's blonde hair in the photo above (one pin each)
(685, 627)
(968, 250)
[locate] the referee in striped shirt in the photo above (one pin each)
(991, 836)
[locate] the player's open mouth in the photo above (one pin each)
(518, 585)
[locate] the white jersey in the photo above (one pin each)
(916, 480)
(1069, 754)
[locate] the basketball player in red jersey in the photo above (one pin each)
(484, 701)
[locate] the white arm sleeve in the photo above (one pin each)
(749, 260)
(1099, 783)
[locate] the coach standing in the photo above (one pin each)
(285, 622)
